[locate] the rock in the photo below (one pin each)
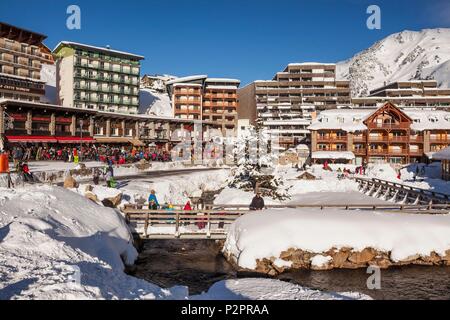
(383, 263)
(113, 202)
(70, 183)
(91, 196)
(409, 260)
(433, 259)
(362, 257)
(340, 257)
(447, 256)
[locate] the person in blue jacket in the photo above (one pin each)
(153, 201)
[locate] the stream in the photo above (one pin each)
(199, 263)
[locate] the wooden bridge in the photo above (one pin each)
(400, 193)
(213, 221)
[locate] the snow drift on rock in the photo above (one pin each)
(267, 234)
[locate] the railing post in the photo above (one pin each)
(208, 215)
(146, 223)
(177, 225)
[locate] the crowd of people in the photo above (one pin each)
(119, 155)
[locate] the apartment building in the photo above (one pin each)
(97, 78)
(416, 93)
(288, 103)
(20, 63)
(212, 100)
(386, 134)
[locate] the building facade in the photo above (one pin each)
(46, 124)
(20, 63)
(288, 103)
(417, 93)
(212, 100)
(97, 78)
(387, 134)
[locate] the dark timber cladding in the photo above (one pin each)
(20, 35)
(21, 58)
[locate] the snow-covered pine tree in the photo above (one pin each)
(256, 165)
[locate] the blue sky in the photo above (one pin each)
(244, 39)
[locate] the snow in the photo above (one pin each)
(48, 74)
(152, 102)
(174, 189)
(351, 120)
(269, 289)
(48, 232)
(266, 234)
(320, 260)
(407, 55)
(106, 50)
(105, 192)
(442, 155)
(225, 80)
(348, 155)
(187, 79)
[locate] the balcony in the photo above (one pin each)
(416, 152)
(388, 126)
(332, 138)
(399, 139)
(441, 139)
(359, 138)
(359, 151)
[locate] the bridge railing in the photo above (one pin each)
(399, 186)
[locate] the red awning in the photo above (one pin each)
(75, 139)
(31, 139)
(48, 139)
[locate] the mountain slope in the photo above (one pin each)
(407, 55)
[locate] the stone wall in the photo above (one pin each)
(343, 258)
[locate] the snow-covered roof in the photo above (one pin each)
(187, 79)
(221, 87)
(186, 85)
(106, 50)
(310, 63)
(223, 80)
(348, 155)
(442, 155)
(351, 120)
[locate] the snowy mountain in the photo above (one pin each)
(407, 55)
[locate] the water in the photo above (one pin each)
(198, 264)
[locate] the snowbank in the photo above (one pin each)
(267, 234)
(269, 289)
(48, 233)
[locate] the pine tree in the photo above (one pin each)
(256, 165)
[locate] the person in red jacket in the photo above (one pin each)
(27, 175)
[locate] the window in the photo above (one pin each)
(432, 119)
